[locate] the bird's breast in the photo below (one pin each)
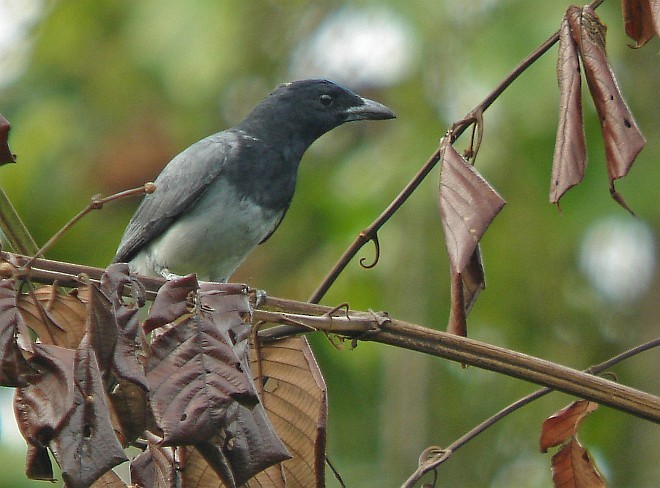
(215, 235)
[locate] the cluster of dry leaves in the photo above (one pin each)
(467, 202)
(95, 383)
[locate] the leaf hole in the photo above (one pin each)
(87, 432)
(184, 417)
(627, 123)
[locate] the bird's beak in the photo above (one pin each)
(369, 110)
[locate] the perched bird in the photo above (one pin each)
(225, 194)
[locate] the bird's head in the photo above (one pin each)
(314, 107)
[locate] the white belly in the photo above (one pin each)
(207, 239)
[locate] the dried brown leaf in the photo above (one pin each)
(468, 204)
(193, 373)
(573, 467)
(14, 338)
(570, 156)
(43, 406)
(126, 362)
(465, 288)
(129, 402)
(294, 395)
(87, 446)
(56, 318)
(563, 425)
(5, 153)
(110, 479)
(623, 138)
(641, 19)
(101, 328)
(155, 467)
(171, 302)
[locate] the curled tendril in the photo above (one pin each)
(373, 238)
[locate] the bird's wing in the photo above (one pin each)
(178, 186)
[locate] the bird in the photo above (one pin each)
(227, 193)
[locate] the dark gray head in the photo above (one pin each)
(310, 108)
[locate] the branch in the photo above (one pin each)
(432, 457)
(454, 132)
(379, 327)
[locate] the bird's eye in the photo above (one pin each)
(326, 100)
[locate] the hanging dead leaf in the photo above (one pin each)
(294, 395)
(465, 288)
(641, 19)
(100, 327)
(623, 139)
(563, 425)
(570, 156)
(56, 318)
(14, 338)
(573, 467)
(129, 402)
(171, 302)
(42, 407)
(155, 467)
(110, 479)
(468, 204)
(127, 356)
(5, 153)
(86, 447)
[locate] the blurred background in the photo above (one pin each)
(102, 94)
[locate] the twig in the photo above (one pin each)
(96, 203)
(474, 432)
(455, 131)
(14, 229)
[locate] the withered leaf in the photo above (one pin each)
(563, 425)
(570, 156)
(194, 377)
(5, 153)
(42, 407)
(622, 137)
(14, 337)
(465, 288)
(572, 466)
(641, 19)
(109, 479)
(100, 328)
(113, 281)
(129, 402)
(155, 467)
(56, 318)
(468, 204)
(125, 362)
(294, 395)
(87, 447)
(249, 442)
(170, 302)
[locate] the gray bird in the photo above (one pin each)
(225, 194)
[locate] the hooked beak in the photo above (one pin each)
(369, 110)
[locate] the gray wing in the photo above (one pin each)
(178, 186)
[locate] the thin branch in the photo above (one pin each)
(455, 131)
(379, 327)
(432, 464)
(13, 228)
(96, 203)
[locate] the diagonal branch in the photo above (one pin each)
(454, 132)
